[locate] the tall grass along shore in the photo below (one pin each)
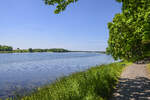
(148, 68)
(96, 83)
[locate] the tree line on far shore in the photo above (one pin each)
(9, 49)
(6, 48)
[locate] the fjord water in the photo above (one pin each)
(26, 71)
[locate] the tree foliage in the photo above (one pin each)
(60, 4)
(129, 30)
(9, 49)
(30, 50)
(5, 48)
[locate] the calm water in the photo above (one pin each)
(29, 70)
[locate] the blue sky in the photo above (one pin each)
(32, 24)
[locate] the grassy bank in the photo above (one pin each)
(96, 83)
(148, 68)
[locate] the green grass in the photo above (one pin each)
(96, 83)
(148, 67)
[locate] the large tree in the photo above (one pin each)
(129, 32)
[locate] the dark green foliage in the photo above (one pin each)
(20, 51)
(30, 50)
(9, 49)
(96, 83)
(50, 50)
(146, 48)
(5, 48)
(61, 4)
(39, 50)
(129, 29)
(57, 50)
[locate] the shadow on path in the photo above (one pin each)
(133, 89)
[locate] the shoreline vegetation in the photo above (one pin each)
(36, 50)
(9, 49)
(96, 83)
(148, 68)
(129, 39)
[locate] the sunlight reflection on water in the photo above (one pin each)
(29, 70)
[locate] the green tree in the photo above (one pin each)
(5, 48)
(129, 32)
(30, 50)
(60, 4)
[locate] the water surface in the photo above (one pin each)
(29, 70)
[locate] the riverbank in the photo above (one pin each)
(96, 83)
(148, 68)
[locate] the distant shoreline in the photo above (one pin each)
(9, 49)
(2, 52)
(30, 50)
(92, 51)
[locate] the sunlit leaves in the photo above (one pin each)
(127, 32)
(129, 29)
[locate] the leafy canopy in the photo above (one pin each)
(129, 30)
(61, 4)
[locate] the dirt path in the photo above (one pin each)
(134, 84)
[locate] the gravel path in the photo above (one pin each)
(134, 84)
